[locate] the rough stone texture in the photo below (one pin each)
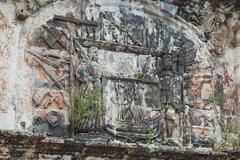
(157, 64)
(27, 7)
(17, 145)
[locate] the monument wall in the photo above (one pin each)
(113, 73)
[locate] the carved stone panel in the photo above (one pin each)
(128, 111)
(137, 61)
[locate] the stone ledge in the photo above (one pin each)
(16, 144)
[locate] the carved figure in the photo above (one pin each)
(170, 83)
(171, 122)
(129, 102)
(170, 86)
(132, 122)
(86, 71)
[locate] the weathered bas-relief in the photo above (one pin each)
(141, 63)
(129, 112)
(119, 79)
(137, 61)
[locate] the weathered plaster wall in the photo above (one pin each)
(9, 52)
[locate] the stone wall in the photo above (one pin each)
(25, 146)
(157, 74)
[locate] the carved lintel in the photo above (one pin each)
(117, 47)
(76, 21)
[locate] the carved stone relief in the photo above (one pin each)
(88, 73)
(130, 117)
(88, 70)
(44, 98)
(137, 61)
(51, 123)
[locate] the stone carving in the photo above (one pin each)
(57, 63)
(54, 38)
(74, 20)
(133, 122)
(88, 71)
(171, 93)
(45, 97)
(170, 82)
(61, 68)
(137, 108)
(128, 31)
(172, 120)
(27, 7)
(53, 118)
(130, 113)
(50, 122)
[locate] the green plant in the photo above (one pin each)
(131, 158)
(217, 99)
(231, 136)
(236, 133)
(150, 136)
(225, 144)
(141, 76)
(80, 157)
(231, 129)
(126, 140)
(86, 103)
